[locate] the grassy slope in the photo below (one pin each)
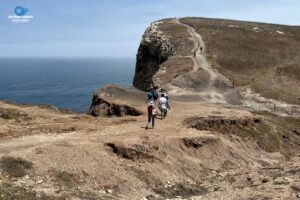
(178, 36)
(254, 54)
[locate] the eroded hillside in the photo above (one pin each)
(200, 151)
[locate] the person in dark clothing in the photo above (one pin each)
(151, 114)
(152, 93)
(150, 96)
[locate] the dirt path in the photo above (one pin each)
(200, 63)
(108, 129)
(198, 55)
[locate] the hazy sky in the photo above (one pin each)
(113, 28)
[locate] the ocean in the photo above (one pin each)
(65, 83)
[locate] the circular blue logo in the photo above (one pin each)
(20, 11)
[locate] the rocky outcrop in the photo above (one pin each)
(134, 152)
(216, 123)
(100, 107)
(113, 100)
(154, 49)
(198, 142)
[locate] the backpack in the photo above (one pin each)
(154, 94)
(149, 109)
(150, 95)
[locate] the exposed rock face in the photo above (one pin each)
(154, 49)
(100, 107)
(134, 152)
(196, 142)
(106, 102)
(214, 123)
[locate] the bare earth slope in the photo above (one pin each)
(210, 151)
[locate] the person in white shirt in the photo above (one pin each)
(167, 98)
(163, 106)
(166, 95)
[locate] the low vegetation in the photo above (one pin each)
(181, 189)
(271, 132)
(10, 113)
(178, 36)
(173, 67)
(15, 167)
(8, 192)
(65, 179)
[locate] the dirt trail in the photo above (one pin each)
(106, 128)
(212, 92)
(199, 56)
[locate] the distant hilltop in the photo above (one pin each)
(258, 58)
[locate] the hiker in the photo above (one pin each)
(151, 114)
(167, 98)
(163, 91)
(163, 106)
(152, 94)
(201, 49)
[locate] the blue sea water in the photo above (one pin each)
(65, 83)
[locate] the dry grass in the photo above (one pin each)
(65, 179)
(10, 113)
(8, 192)
(254, 54)
(272, 133)
(178, 36)
(43, 106)
(291, 71)
(174, 67)
(279, 87)
(181, 189)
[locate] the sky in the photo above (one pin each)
(114, 28)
